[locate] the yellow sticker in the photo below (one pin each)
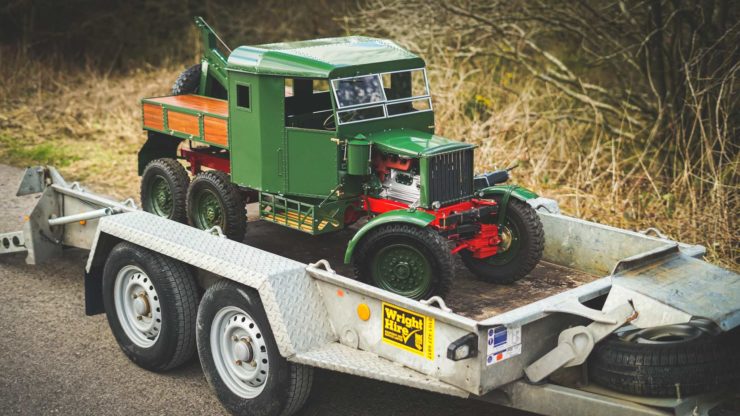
(408, 330)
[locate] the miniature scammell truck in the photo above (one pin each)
(324, 133)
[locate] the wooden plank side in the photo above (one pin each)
(153, 117)
(197, 103)
(183, 123)
(215, 131)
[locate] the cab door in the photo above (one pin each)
(313, 157)
(310, 136)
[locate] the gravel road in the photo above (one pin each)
(56, 360)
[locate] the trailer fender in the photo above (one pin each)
(418, 218)
(506, 192)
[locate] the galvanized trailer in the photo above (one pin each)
(504, 349)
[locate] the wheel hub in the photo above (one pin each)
(403, 270)
(243, 350)
(141, 304)
(239, 352)
(137, 306)
(506, 238)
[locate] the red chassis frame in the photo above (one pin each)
(483, 244)
(198, 159)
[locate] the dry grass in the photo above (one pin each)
(85, 123)
(88, 123)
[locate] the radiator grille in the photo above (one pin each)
(450, 177)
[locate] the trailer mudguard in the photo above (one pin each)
(506, 192)
(417, 218)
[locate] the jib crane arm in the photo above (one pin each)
(212, 55)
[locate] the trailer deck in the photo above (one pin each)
(315, 314)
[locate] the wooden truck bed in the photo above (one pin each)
(190, 117)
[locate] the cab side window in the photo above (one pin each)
(307, 103)
(243, 99)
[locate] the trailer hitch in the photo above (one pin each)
(575, 344)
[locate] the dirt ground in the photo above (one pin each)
(56, 360)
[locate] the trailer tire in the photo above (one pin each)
(422, 256)
(173, 179)
(213, 200)
(166, 289)
(526, 244)
(188, 81)
(232, 326)
(688, 358)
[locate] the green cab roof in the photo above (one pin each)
(324, 58)
(414, 143)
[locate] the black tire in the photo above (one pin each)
(176, 300)
(429, 244)
(177, 179)
(188, 81)
(697, 365)
(287, 385)
(507, 267)
(233, 213)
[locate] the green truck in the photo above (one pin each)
(324, 134)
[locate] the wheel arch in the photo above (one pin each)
(506, 192)
(417, 218)
(157, 145)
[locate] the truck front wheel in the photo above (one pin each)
(405, 259)
(151, 302)
(522, 243)
(213, 200)
(240, 357)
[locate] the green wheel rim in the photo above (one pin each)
(508, 230)
(208, 210)
(402, 269)
(160, 196)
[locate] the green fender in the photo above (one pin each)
(506, 192)
(418, 218)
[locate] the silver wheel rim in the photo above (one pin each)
(670, 334)
(137, 306)
(239, 352)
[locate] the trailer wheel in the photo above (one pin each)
(188, 81)
(164, 186)
(523, 242)
(240, 357)
(405, 259)
(213, 200)
(690, 358)
(151, 302)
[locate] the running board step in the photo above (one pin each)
(343, 359)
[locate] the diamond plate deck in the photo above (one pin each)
(337, 357)
(291, 298)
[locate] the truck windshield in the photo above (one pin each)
(358, 91)
(376, 96)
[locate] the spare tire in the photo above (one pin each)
(666, 361)
(188, 82)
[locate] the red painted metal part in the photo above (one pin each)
(383, 165)
(199, 159)
(483, 244)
